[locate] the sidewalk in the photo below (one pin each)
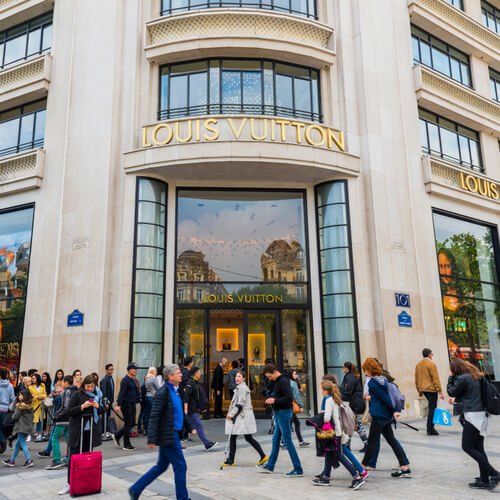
(439, 467)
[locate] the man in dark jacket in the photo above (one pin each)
(108, 392)
(128, 397)
(188, 364)
(282, 401)
(218, 388)
(165, 422)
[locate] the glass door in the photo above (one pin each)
(261, 348)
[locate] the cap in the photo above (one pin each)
(132, 366)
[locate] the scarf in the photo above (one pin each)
(93, 396)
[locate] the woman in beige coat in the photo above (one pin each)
(241, 421)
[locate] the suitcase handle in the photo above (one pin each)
(91, 422)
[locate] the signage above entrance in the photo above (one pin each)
(244, 129)
(483, 187)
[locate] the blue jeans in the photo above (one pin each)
(3, 414)
(350, 456)
(373, 461)
(21, 444)
(195, 422)
(48, 450)
(166, 456)
(146, 406)
(344, 460)
(283, 431)
(39, 427)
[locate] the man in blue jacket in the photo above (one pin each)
(165, 422)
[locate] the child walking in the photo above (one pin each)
(23, 426)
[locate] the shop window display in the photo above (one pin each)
(467, 255)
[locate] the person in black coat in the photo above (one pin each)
(218, 387)
(82, 405)
(128, 397)
(351, 391)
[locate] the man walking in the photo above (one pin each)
(108, 392)
(428, 384)
(6, 398)
(218, 387)
(128, 397)
(281, 399)
(165, 422)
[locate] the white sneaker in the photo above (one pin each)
(28, 439)
(65, 490)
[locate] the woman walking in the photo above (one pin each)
(83, 404)
(294, 384)
(37, 389)
(465, 389)
(382, 413)
(352, 392)
(23, 426)
(151, 386)
(240, 421)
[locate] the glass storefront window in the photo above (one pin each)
(239, 86)
(15, 252)
(149, 276)
(470, 288)
(339, 329)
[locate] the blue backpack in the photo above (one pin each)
(398, 400)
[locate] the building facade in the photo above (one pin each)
(306, 182)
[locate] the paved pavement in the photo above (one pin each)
(440, 470)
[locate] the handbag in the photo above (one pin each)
(296, 408)
(441, 415)
(422, 407)
(48, 403)
(366, 419)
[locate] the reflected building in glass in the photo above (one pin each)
(304, 183)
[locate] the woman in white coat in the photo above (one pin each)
(241, 421)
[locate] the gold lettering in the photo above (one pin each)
(212, 298)
(462, 183)
(157, 129)
(298, 129)
(230, 299)
(178, 135)
(197, 130)
(145, 143)
(240, 298)
(238, 132)
(485, 193)
(269, 299)
(339, 142)
(472, 189)
(273, 130)
(252, 130)
(279, 298)
(208, 126)
(308, 137)
(494, 191)
(282, 124)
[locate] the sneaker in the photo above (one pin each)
(282, 446)
(211, 445)
(294, 473)
(43, 454)
(303, 444)
(402, 473)
(38, 439)
(482, 485)
(9, 462)
(227, 463)
(132, 495)
(262, 461)
(133, 435)
(357, 483)
(495, 479)
(116, 439)
(365, 474)
(128, 448)
(54, 466)
(321, 481)
(65, 490)
(28, 439)
(263, 468)
(28, 463)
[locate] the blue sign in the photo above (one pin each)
(402, 300)
(404, 319)
(75, 318)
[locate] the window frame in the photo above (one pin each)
(495, 77)
(487, 8)
(460, 3)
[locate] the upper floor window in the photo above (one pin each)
(495, 84)
(491, 16)
(298, 7)
(239, 86)
(459, 4)
(22, 128)
(430, 51)
(449, 140)
(25, 40)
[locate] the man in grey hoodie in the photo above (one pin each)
(6, 398)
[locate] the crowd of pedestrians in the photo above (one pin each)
(81, 412)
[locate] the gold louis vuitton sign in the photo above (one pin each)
(478, 185)
(234, 129)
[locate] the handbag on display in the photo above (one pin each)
(441, 415)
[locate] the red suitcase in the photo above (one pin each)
(86, 469)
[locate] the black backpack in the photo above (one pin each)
(491, 397)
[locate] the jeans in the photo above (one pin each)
(21, 444)
(250, 440)
(146, 406)
(343, 460)
(283, 431)
(195, 422)
(373, 461)
(166, 456)
(376, 429)
(473, 445)
(57, 432)
(432, 398)
(39, 427)
(128, 412)
(354, 461)
(3, 414)
(48, 450)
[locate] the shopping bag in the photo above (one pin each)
(422, 407)
(441, 415)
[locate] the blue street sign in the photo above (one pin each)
(75, 318)
(404, 319)
(402, 300)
